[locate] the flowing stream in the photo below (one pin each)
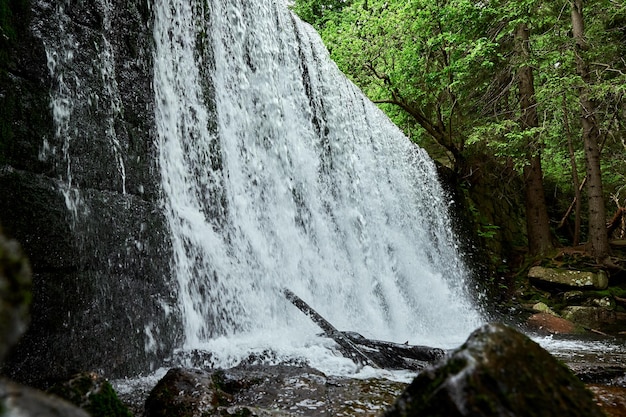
(278, 172)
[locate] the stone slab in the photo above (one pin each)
(569, 278)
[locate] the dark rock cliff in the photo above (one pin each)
(80, 186)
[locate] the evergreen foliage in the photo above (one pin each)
(445, 72)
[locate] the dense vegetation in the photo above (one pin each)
(537, 86)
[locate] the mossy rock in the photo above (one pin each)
(497, 372)
(590, 316)
(613, 291)
(567, 278)
(93, 394)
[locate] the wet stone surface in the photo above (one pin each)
(263, 390)
(611, 399)
(295, 389)
(309, 392)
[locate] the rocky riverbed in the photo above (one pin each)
(526, 380)
(498, 371)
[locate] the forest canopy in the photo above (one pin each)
(535, 85)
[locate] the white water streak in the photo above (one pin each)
(69, 92)
(303, 183)
(60, 58)
(111, 90)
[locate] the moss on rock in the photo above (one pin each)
(93, 394)
(497, 372)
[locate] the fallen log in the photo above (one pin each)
(348, 348)
(396, 355)
(363, 351)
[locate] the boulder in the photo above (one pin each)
(15, 293)
(496, 372)
(19, 400)
(572, 297)
(268, 390)
(568, 278)
(592, 317)
(543, 308)
(605, 302)
(551, 324)
(91, 393)
(183, 392)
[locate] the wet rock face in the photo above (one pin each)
(24, 105)
(262, 390)
(15, 297)
(497, 372)
(15, 293)
(94, 61)
(101, 295)
(76, 110)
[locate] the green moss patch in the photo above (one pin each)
(93, 394)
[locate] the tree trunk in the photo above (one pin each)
(598, 237)
(537, 221)
(575, 178)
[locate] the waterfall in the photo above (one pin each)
(278, 172)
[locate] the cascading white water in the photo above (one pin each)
(293, 179)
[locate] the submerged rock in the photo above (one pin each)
(497, 372)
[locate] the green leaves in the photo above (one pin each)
(317, 12)
(445, 70)
(428, 56)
